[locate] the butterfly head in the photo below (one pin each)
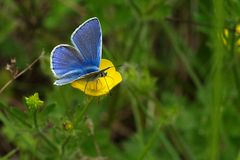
(103, 74)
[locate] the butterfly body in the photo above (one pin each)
(95, 75)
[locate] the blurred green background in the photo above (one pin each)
(180, 94)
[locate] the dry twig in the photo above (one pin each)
(20, 73)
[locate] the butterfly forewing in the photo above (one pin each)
(87, 38)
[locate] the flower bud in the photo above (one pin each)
(67, 125)
(33, 102)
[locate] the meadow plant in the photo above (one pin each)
(179, 67)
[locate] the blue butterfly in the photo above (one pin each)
(70, 63)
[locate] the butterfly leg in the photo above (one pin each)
(86, 86)
(98, 98)
(107, 86)
(96, 84)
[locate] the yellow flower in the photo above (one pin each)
(101, 85)
(238, 42)
(238, 34)
(226, 36)
(67, 125)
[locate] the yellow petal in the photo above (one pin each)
(224, 40)
(226, 33)
(102, 85)
(238, 29)
(238, 42)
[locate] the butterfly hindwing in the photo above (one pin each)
(67, 79)
(68, 65)
(87, 39)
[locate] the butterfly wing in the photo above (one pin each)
(87, 39)
(68, 65)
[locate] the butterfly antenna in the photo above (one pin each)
(118, 66)
(111, 67)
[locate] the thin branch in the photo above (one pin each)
(135, 7)
(20, 73)
(10, 154)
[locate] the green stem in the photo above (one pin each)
(137, 117)
(48, 141)
(41, 134)
(175, 42)
(217, 79)
(35, 120)
(96, 145)
(151, 141)
(64, 145)
(180, 145)
(135, 39)
(138, 122)
(172, 149)
(79, 117)
(234, 65)
(136, 8)
(18, 117)
(169, 147)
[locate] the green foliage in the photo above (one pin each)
(179, 98)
